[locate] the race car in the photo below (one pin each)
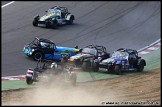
(123, 60)
(41, 48)
(48, 70)
(54, 16)
(88, 58)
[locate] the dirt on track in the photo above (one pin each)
(140, 89)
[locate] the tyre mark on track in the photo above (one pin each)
(130, 28)
(109, 23)
(133, 27)
(86, 14)
(79, 35)
(16, 29)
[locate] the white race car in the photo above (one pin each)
(54, 16)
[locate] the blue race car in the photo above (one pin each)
(46, 49)
(123, 60)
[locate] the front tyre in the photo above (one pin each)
(63, 64)
(38, 56)
(95, 67)
(35, 22)
(54, 24)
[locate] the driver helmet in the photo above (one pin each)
(54, 65)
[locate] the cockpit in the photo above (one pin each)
(89, 51)
(121, 55)
(54, 11)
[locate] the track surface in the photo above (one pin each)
(112, 24)
(4, 2)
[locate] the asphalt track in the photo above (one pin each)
(112, 24)
(4, 2)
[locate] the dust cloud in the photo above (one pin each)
(59, 92)
(142, 87)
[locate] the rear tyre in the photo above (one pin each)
(84, 66)
(140, 67)
(70, 22)
(73, 79)
(29, 81)
(118, 69)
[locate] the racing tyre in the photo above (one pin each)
(47, 24)
(70, 22)
(35, 22)
(29, 81)
(63, 63)
(95, 67)
(37, 56)
(140, 67)
(54, 24)
(73, 79)
(118, 69)
(84, 66)
(51, 23)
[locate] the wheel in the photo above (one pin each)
(73, 79)
(118, 69)
(71, 21)
(35, 22)
(29, 81)
(54, 24)
(95, 67)
(51, 23)
(47, 24)
(84, 66)
(63, 63)
(37, 55)
(140, 67)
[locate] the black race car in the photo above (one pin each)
(48, 70)
(89, 57)
(54, 16)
